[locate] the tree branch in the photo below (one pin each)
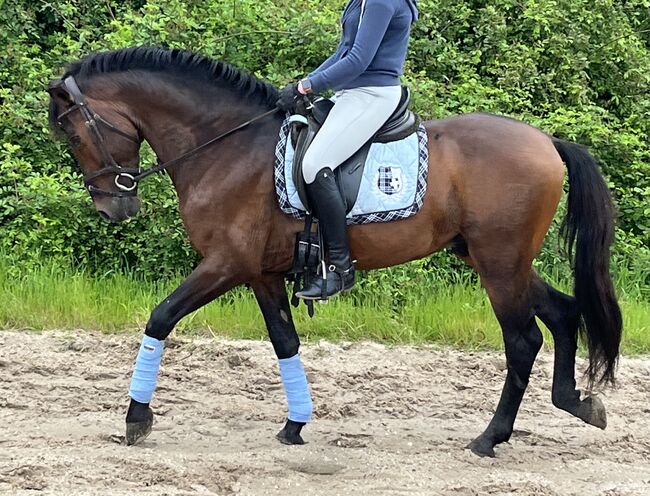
(235, 35)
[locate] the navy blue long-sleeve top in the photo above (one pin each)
(370, 53)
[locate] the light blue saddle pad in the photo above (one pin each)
(393, 185)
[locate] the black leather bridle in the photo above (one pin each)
(109, 164)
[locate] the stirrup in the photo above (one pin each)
(330, 282)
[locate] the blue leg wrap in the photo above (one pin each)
(295, 385)
(145, 372)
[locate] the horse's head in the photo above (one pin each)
(105, 143)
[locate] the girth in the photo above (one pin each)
(348, 175)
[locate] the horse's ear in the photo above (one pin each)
(58, 91)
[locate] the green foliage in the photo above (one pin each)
(578, 69)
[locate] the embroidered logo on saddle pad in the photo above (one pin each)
(389, 180)
(392, 187)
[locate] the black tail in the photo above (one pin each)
(589, 228)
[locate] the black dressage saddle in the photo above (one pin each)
(399, 125)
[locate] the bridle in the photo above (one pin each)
(109, 164)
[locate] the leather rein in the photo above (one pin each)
(126, 179)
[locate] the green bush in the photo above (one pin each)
(577, 69)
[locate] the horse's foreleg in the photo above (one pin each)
(560, 314)
(271, 295)
(523, 339)
(208, 281)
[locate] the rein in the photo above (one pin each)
(110, 165)
(191, 153)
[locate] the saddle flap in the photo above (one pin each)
(306, 135)
(349, 174)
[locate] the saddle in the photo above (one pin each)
(308, 122)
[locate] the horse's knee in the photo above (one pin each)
(160, 323)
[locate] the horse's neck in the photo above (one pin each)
(173, 126)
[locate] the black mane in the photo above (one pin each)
(193, 67)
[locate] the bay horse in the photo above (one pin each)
(494, 186)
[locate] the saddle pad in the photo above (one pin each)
(392, 188)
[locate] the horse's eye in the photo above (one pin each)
(75, 141)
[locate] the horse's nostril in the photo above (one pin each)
(104, 215)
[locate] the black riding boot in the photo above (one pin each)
(328, 207)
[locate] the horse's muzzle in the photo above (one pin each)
(118, 209)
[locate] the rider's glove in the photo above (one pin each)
(288, 97)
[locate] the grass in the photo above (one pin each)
(51, 296)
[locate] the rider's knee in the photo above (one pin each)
(311, 164)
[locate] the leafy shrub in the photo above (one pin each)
(577, 69)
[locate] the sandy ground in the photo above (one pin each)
(388, 421)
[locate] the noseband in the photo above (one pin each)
(109, 164)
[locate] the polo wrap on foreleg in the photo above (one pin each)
(296, 388)
(145, 371)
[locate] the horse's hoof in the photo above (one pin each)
(289, 439)
(481, 447)
(595, 414)
(290, 433)
(138, 431)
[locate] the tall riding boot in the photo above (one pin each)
(329, 208)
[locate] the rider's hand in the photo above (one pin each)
(288, 96)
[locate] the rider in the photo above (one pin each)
(365, 72)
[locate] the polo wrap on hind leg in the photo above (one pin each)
(145, 371)
(296, 389)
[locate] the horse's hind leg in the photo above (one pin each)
(272, 298)
(509, 292)
(560, 314)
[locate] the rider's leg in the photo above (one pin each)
(357, 115)
(328, 206)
